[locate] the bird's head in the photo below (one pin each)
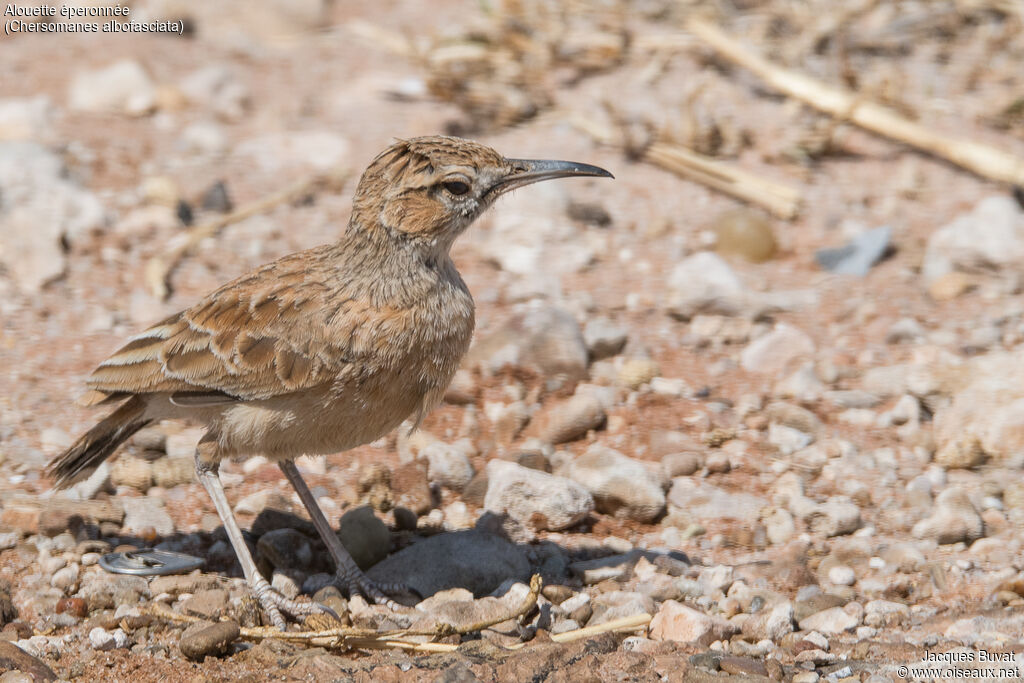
(427, 190)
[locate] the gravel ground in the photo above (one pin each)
(789, 449)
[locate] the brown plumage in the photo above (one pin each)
(325, 349)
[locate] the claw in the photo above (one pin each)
(275, 603)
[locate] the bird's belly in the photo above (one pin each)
(317, 423)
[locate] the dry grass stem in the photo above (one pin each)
(983, 160)
(781, 200)
(377, 640)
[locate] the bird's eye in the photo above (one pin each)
(457, 187)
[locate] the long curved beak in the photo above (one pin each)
(527, 171)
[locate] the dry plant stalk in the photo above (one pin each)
(986, 161)
(367, 639)
(160, 267)
(781, 200)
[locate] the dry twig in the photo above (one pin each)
(983, 160)
(781, 200)
(160, 267)
(369, 639)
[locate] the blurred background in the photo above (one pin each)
(815, 307)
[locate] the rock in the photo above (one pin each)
(618, 604)
(704, 283)
(108, 591)
(208, 639)
(700, 500)
(635, 372)
(170, 472)
(905, 330)
(448, 464)
(961, 454)
(745, 233)
(293, 151)
(787, 439)
(133, 472)
(365, 537)
(411, 488)
(614, 567)
(675, 621)
(990, 236)
(954, 519)
(65, 579)
(569, 419)
(536, 499)
(146, 512)
(13, 658)
(987, 410)
(25, 118)
(770, 624)
(833, 620)
(773, 352)
(880, 613)
(176, 584)
(949, 286)
(544, 339)
(835, 517)
(286, 549)
(859, 255)
(743, 666)
(621, 486)
(122, 87)
(473, 560)
(604, 338)
(216, 87)
(841, 575)
(41, 211)
(103, 640)
(680, 464)
(814, 601)
(210, 603)
(779, 526)
(205, 138)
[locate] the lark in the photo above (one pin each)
(322, 350)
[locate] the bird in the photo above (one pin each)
(321, 350)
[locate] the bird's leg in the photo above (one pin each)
(348, 572)
(271, 600)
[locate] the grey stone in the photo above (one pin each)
(144, 512)
(832, 620)
(570, 419)
(954, 519)
(859, 255)
(41, 210)
(701, 500)
(604, 338)
(621, 486)
(534, 498)
(448, 464)
(545, 339)
(121, 87)
(365, 536)
(989, 236)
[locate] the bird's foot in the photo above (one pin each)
(277, 605)
(358, 583)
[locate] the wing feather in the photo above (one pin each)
(260, 336)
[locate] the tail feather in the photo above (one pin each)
(83, 457)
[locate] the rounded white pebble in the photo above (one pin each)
(841, 575)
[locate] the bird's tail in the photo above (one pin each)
(83, 457)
